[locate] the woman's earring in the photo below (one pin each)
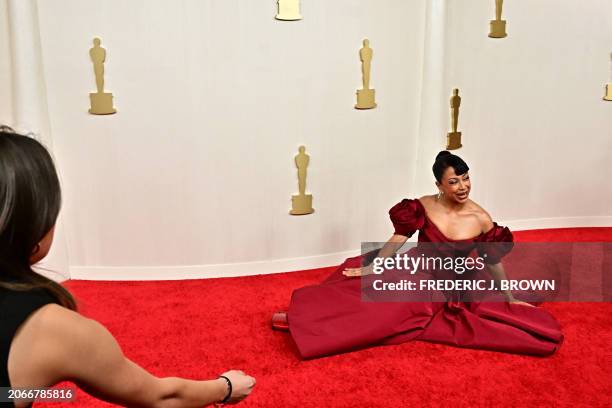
(439, 195)
(36, 249)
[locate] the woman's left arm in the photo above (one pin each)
(497, 270)
(499, 274)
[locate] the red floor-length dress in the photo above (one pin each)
(331, 318)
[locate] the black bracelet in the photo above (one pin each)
(229, 387)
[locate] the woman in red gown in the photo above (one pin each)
(331, 318)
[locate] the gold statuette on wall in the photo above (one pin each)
(498, 26)
(453, 139)
(366, 96)
(608, 96)
(288, 10)
(301, 204)
(101, 102)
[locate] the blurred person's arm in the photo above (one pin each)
(56, 344)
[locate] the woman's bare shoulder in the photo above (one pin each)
(58, 344)
(60, 321)
(67, 336)
(483, 216)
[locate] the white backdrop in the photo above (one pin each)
(6, 91)
(534, 116)
(193, 176)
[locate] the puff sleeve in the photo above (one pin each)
(495, 244)
(407, 217)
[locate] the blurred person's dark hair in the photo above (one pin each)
(30, 201)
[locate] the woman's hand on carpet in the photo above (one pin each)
(242, 385)
(354, 272)
(520, 302)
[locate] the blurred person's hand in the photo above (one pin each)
(242, 385)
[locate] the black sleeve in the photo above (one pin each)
(15, 308)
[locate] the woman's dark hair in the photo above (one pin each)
(30, 200)
(446, 159)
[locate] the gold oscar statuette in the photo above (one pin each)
(366, 96)
(288, 10)
(301, 204)
(453, 139)
(608, 96)
(498, 26)
(101, 102)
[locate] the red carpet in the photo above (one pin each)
(200, 328)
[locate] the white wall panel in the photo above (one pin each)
(537, 133)
(194, 174)
(213, 99)
(6, 92)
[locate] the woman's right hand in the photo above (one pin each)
(520, 302)
(242, 385)
(355, 272)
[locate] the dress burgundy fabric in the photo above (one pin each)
(331, 318)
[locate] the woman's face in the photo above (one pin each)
(40, 252)
(455, 188)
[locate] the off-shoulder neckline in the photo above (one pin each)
(440, 231)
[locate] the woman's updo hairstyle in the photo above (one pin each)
(446, 159)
